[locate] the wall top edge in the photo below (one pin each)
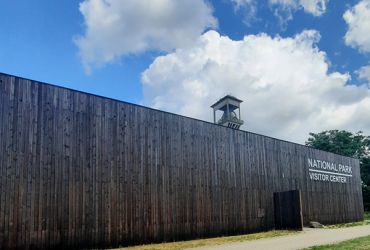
(166, 112)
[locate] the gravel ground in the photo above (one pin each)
(310, 237)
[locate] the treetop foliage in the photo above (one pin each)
(341, 142)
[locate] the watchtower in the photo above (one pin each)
(228, 104)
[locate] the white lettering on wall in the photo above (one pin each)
(320, 170)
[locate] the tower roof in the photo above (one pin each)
(227, 97)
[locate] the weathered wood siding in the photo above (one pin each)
(78, 169)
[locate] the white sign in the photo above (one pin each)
(328, 171)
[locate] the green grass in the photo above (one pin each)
(355, 224)
(367, 216)
(355, 244)
(211, 242)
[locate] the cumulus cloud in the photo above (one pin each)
(364, 73)
(358, 35)
(285, 8)
(284, 82)
(358, 20)
(314, 7)
(114, 28)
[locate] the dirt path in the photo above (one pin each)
(310, 237)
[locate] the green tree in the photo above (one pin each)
(365, 176)
(365, 171)
(366, 196)
(347, 144)
(341, 142)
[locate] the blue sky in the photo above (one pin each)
(95, 46)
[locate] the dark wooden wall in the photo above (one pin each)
(78, 169)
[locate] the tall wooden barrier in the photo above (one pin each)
(83, 170)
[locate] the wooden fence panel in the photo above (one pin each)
(82, 170)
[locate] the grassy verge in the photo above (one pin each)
(355, 224)
(367, 216)
(212, 241)
(355, 244)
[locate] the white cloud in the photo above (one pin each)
(115, 28)
(249, 7)
(283, 8)
(364, 73)
(286, 7)
(242, 3)
(314, 7)
(358, 20)
(358, 34)
(284, 82)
